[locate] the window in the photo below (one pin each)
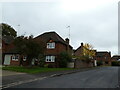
(15, 57)
(24, 58)
(51, 45)
(50, 58)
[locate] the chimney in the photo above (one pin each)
(109, 53)
(67, 40)
(82, 44)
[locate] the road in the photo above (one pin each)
(104, 77)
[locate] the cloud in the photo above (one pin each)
(97, 26)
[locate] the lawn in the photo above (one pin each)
(33, 70)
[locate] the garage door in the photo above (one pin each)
(7, 59)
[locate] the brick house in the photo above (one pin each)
(80, 51)
(9, 54)
(104, 56)
(54, 46)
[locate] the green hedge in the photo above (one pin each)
(115, 63)
(99, 63)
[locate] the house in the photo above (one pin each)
(81, 51)
(115, 57)
(104, 57)
(10, 56)
(54, 45)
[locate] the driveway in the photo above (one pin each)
(104, 77)
(8, 73)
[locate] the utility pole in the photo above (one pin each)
(69, 31)
(69, 39)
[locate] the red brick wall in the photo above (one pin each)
(14, 63)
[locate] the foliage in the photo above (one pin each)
(27, 46)
(7, 30)
(88, 50)
(99, 63)
(46, 65)
(41, 60)
(33, 70)
(64, 59)
(84, 58)
(115, 63)
(87, 53)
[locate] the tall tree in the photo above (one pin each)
(7, 30)
(27, 46)
(88, 50)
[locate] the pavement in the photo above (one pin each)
(9, 73)
(103, 77)
(10, 78)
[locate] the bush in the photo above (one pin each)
(50, 66)
(99, 63)
(41, 61)
(46, 65)
(115, 63)
(64, 59)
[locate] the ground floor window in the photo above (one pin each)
(15, 57)
(50, 58)
(24, 58)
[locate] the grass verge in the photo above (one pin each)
(33, 70)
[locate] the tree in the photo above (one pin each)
(64, 59)
(27, 46)
(87, 53)
(7, 30)
(88, 50)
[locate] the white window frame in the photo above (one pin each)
(51, 45)
(15, 57)
(24, 58)
(50, 59)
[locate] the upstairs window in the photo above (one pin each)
(51, 45)
(50, 58)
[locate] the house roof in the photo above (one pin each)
(12, 51)
(116, 56)
(53, 36)
(7, 39)
(102, 53)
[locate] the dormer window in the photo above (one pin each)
(50, 45)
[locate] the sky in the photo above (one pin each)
(91, 21)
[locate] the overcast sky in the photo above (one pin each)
(90, 21)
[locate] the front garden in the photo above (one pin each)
(33, 70)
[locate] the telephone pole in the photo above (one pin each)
(18, 29)
(69, 31)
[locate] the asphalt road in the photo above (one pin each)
(105, 77)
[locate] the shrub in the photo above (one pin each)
(99, 63)
(50, 66)
(45, 65)
(64, 59)
(41, 61)
(115, 63)
(85, 58)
